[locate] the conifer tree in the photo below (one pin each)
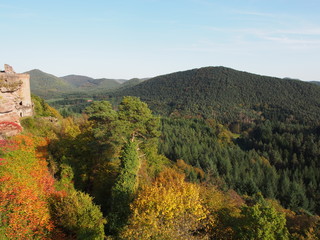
(125, 187)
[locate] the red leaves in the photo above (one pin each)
(10, 128)
(10, 125)
(25, 188)
(2, 143)
(4, 178)
(2, 161)
(8, 145)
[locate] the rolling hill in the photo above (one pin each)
(229, 95)
(77, 80)
(47, 85)
(211, 92)
(88, 82)
(132, 82)
(105, 83)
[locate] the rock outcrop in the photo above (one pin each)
(15, 100)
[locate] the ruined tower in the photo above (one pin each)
(15, 100)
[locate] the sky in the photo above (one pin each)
(124, 39)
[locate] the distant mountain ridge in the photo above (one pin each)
(76, 80)
(209, 92)
(84, 81)
(315, 82)
(229, 95)
(49, 86)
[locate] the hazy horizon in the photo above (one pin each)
(146, 77)
(146, 38)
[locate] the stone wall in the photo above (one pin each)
(15, 99)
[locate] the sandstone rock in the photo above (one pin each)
(8, 129)
(6, 105)
(15, 100)
(10, 117)
(8, 69)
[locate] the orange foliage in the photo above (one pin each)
(25, 187)
(7, 146)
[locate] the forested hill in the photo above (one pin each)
(50, 87)
(229, 95)
(84, 82)
(47, 85)
(77, 80)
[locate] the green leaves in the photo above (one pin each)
(125, 187)
(133, 120)
(77, 214)
(124, 129)
(262, 221)
(101, 112)
(138, 119)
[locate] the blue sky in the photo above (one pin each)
(146, 38)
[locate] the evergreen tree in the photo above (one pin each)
(124, 190)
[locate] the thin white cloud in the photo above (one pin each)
(294, 41)
(293, 38)
(254, 13)
(260, 31)
(302, 31)
(250, 31)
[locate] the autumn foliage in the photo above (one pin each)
(170, 208)
(109, 176)
(25, 186)
(10, 125)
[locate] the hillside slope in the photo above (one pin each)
(229, 95)
(80, 82)
(49, 86)
(106, 83)
(77, 80)
(46, 85)
(131, 83)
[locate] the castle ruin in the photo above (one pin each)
(15, 100)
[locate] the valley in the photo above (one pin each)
(208, 153)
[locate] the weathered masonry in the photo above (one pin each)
(15, 99)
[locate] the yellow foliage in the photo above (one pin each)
(168, 209)
(224, 136)
(54, 112)
(69, 128)
(221, 208)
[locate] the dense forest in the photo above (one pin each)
(224, 94)
(279, 160)
(213, 163)
(127, 174)
(229, 95)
